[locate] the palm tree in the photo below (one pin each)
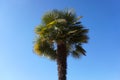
(60, 34)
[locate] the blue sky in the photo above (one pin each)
(18, 19)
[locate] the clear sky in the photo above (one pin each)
(18, 19)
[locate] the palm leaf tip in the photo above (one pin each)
(80, 50)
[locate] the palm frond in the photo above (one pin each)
(43, 48)
(38, 29)
(79, 49)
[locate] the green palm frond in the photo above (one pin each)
(56, 21)
(51, 16)
(43, 48)
(38, 29)
(69, 15)
(78, 36)
(80, 50)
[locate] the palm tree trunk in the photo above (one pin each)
(61, 61)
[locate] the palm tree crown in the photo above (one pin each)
(60, 26)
